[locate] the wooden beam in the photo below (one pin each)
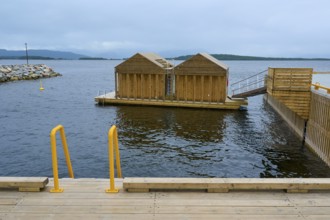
(24, 184)
(291, 185)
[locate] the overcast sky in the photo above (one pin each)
(277, 28)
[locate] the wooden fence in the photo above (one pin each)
(318, 126)
(291, 86)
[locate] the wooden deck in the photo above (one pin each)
(109, 99)
(86, 199)
(291, 185)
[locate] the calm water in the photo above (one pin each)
(167, 142)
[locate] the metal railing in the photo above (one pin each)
(60, 128)
(251, 83)
(318, 86)
(321, 72)
(113, 142)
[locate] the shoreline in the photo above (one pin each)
(17, 72)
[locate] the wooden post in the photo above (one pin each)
(202, 82)
(156, 85)
(149, 87)
(116, 86)
(194, 91)
(186, 87)
(135, 86)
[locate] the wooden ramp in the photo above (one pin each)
(86, 199)
(226, 184)
(250, 86)
(23, 184)
(250, 93)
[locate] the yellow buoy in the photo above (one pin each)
(41, 88)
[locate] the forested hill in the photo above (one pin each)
(237, 57)
(39, 54)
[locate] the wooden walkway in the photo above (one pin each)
(86, 199)
(109, 99)
(252, 92)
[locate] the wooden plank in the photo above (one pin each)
(82, 202)
(78, 216)
(202, 85)
(156, 88)
(135, 86)
(186, 88)
(164, 205)
(194, 88)
(8, 201)
(24, 183)
(210, 89)
(291, 184)
(227, 209)
(225, 217)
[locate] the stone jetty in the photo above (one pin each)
(25, 72)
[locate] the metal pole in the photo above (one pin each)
(27, 56)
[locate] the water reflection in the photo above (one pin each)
(183, 139)
(208, 143)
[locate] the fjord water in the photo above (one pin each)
(154, 142)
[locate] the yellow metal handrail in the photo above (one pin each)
(60, 128)
(113, 140)
(317, 86)
(321, 72)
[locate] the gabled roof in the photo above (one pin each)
(214, 60)
(158, 60)
(152, 57)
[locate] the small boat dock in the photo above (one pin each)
(150, 80)
(110, 99)
(86, 199)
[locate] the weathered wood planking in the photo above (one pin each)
(86, 199)
(228, 104)
(291, 86)
(201, 78)
(141, 77)
(318, 126)
(225, 184)
(24, 184)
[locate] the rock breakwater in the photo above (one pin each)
(25, 72)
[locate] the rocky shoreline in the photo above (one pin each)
(25, 72)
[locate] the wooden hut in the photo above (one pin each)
(143, 76)
(148, 79)
(201, 78)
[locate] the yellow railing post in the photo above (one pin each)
(60, 128)
(113, 140)
(318, 86)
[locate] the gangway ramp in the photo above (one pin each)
(250, 86)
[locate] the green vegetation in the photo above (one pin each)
(237, 57)
(24, 58)
(92, 58)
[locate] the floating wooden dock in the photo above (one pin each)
(110, 99)
(86, 199)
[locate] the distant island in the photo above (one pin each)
(45, 55)
(62, 55)
(40, 54)
(92, 58)
(238, 57)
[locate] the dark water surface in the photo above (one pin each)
(166, 142)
